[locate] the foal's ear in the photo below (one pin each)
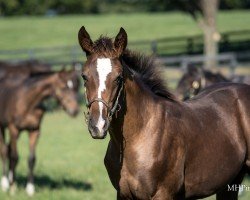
(121, 41)
(85, 41)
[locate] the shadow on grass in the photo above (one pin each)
(44, 181)
(247, 177)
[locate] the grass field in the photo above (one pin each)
(30, 32)
(70, 163)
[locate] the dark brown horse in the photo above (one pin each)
(21, 110)
(161, 148)
(195, 79)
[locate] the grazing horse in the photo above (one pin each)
(21, 110)
(195, 79)
(161, 148)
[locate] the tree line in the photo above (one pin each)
(54, 7)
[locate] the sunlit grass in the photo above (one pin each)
(70, 163)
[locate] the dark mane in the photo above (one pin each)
(149, 71)
(145, 66)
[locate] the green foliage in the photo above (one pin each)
(37, 7)
(75, 6)
(41, 7)
(234, 4)
(7, 7)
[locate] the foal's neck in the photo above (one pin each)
(39, 91)
(137, 104)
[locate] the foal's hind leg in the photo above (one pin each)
(3, 151)
(13, 156)
(33, 138)
(230, 192)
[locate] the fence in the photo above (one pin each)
(236, 41)
(230, 59)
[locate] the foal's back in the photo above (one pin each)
(22, 70)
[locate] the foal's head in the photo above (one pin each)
(190, 83)
(65, 91)
(102, 75)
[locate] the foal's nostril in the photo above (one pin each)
(93, 129)
(106, 126)
(91, 121)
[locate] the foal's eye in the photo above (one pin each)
(84, 77)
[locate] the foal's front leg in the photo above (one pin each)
(4, 157)
(33, 138)
(13, 156)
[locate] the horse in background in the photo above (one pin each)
(161, 148)
(16, 73)
(195, 79)
(21, 110)
(23, 69)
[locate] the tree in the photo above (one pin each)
(204, 12)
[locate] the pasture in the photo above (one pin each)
(69, 162)
(31, 32)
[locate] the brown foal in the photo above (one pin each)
(161, 148)
(21, 110)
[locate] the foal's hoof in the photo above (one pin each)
(5, 184)
(13, 189)
(30, 189)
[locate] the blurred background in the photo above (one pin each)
(212, 36)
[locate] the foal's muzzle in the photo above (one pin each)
(99, 130)
(95, 132)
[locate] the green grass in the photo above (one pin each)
(70, 163)
(30, 32)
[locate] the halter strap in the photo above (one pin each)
(111, 111)
(98, 100)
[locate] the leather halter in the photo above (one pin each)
(111, 110)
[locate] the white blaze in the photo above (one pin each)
(104, 67)
(70, 84)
